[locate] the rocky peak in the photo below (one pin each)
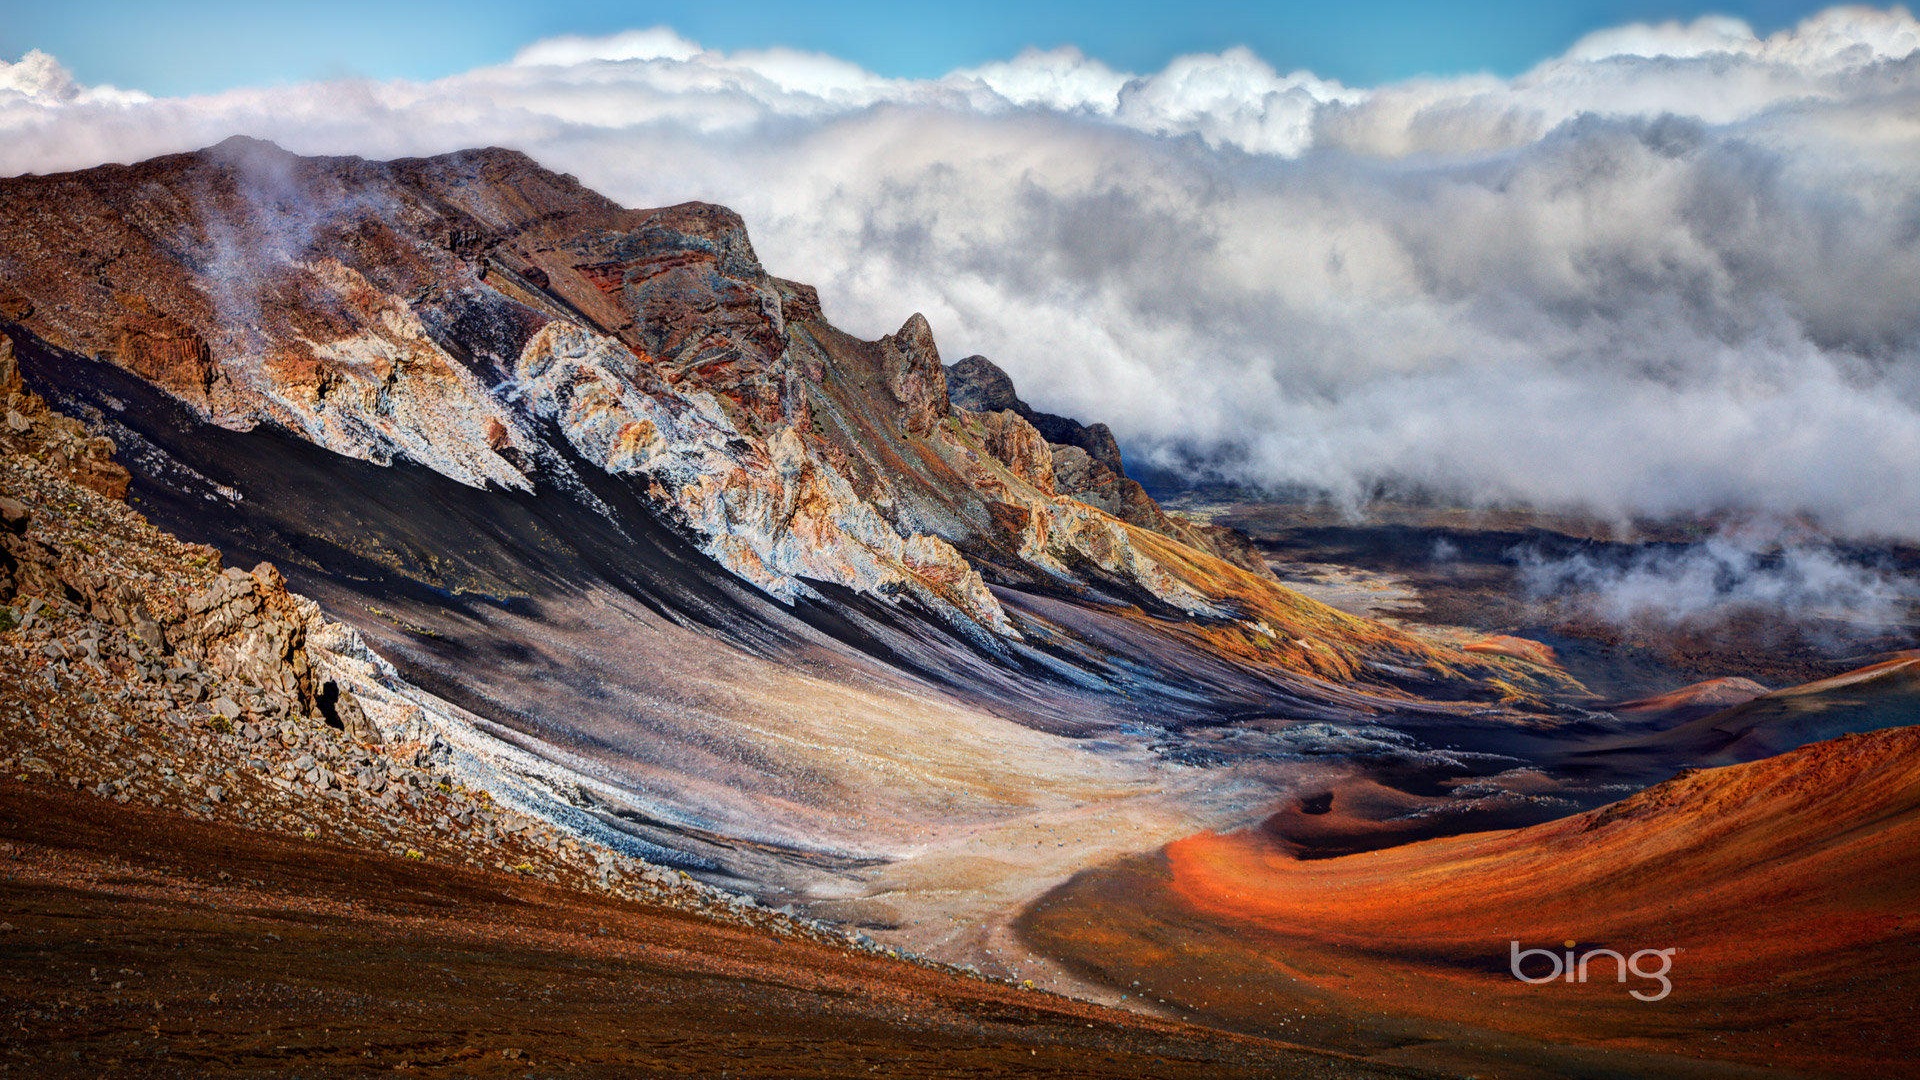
(445, 310)
(699, 226)
(916, 377)
(247, 150)
(977, 383)
(1098, 441)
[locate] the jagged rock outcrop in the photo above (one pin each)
(1019, 446)
(1086, 465)
(915, 377)
(243, 627)
(977, 383)
(134, 669)
(62, 443)
(766, 508)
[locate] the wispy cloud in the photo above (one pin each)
(1676, 270)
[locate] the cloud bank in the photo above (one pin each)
(1675, 270)
(1797, 582)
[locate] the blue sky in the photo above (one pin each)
(218, 44)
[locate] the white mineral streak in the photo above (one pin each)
(392, 392)
(769, 510)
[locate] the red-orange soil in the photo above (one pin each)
(1697, 699)
(1789, 885)
(140, 943)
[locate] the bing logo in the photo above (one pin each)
(1566, 967)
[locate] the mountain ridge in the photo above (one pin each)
(401, 309)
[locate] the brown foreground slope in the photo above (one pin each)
(1787, 886)
(139, 942)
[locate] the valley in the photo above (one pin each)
(599, 578)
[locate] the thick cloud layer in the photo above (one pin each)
(1674, 271)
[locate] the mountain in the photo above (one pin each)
(595, 574)
(593, 476)
(237, 843)
(1881, 694)
(1727, 721)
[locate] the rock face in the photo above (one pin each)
(773, 513)
(133, 668)
(915, 377)
(1086, 465)
(63, 444)
(498, 324)
(977, 383)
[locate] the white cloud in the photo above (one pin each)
(1705, 36)
(39, 79)
(1064, 80)
(1233, 99)
(1835, 39)
(1676, 270)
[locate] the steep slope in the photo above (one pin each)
(135, 668)
(596, 477)
(1785, 884)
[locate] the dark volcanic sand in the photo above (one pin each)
(137, 943)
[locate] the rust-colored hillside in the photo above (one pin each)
(1787, 886)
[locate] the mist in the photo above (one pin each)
(1673, 272)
